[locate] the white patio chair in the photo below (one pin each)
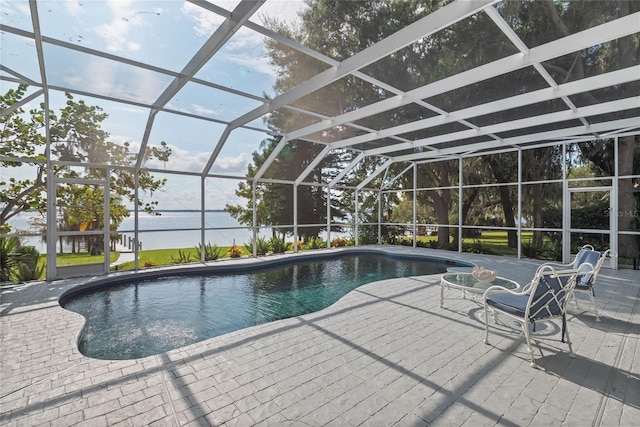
(587, 254)
(544, 298)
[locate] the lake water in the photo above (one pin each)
(152, 237)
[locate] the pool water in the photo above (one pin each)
(149, 317)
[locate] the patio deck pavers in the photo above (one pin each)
(385, 354)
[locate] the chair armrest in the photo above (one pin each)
(572, 271)
(555, 265)
(497, 289)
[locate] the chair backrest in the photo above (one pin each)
(586, 254)
(593, 258)
(550, 290)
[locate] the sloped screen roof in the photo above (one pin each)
(402, 81)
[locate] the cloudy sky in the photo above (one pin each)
(164, 34)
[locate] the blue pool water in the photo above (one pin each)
(143, 318)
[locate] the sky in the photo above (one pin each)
(164, 34)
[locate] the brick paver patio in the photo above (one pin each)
(386, 354)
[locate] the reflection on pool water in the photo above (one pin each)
(143, 318)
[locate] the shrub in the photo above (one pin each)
(8, 259)
(235, 251)
(404, 242)
(432, 244)
(262, 246)
(211, 252)
(24, 273)
(339, 241)
(531, 251)
(316, 243)
(19, 263)
(26, 264)
(182, 258)
(278, 245)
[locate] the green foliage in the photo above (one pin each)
(26, 273)
(477, 247)
(76, 136)
(316, 243)
(19, 263)
(8, 257)
(532, 251)
(211, 252)
(262, 246)
(182, 257)
(278, 245)
(275, 200)
(548, 250)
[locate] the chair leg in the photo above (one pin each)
(593, 303)
(486, 324)
(568, 338)
(595, 307)
(575, 300)
(527, 335)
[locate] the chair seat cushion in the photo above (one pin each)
(509, 303)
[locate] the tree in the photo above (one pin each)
(77, 137)
(275, 200)
(616, 54)
(340, 29)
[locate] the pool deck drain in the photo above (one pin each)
(385, 354)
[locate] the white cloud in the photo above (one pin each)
(199, 109)
(116, 34)
(205, 22)
(73, 7)
(183, 160)
(246, 47)
(231, 164)
(113, 79)
(256, 63)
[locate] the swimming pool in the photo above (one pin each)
(142, 318)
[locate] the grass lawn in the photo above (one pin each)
(160, 257)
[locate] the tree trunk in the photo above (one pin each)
(537, 215)
(441, 206)
(507, 209)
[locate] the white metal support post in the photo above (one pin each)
(613, 218)
(328, 215)
(136, 217)
(295, 217)
(356, 221)
(460, 200)
(51, 186)
(380, 217)
(106, 244)
(254, 232)
(519, 225)
(566, 209)
(202, 219)
(415, 210)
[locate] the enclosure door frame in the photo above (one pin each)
(612, 232)
(53, 270)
